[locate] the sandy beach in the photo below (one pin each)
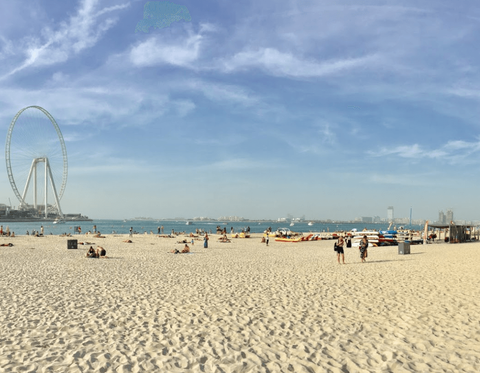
(236, 307)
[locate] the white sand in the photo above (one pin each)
(238, 307)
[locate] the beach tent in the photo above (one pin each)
(456, 233)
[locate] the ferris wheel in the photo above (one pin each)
(34, 140)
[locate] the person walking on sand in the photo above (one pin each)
(267, 239)
(131, 231)
(339, 249)
(363, 248)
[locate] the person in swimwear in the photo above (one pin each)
(101, 253)
(340, 252)
(91, 253)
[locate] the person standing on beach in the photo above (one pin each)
(131, 231)
(205, 241)
(363, 248)
(267, 238)
(340, 252)
(158, 230)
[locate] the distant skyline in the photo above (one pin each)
(332, 110)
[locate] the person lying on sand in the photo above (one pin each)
(185, 250)
(98, 235)
(224, 238)
(7, 244)
(128, 241)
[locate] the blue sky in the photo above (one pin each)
(328, 109)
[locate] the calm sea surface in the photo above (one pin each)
(141, 226)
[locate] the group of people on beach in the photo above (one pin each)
(6, 232)
(363, 245)
(100, 253)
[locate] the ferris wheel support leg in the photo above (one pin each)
(25, 190)
(57, 201)
(35, 187)
(46, 187)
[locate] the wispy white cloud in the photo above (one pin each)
(98, 105)
(157, 51)
(235, 164)
(183, 107)
(278, 63)
(222, 92)
(464, 93)
(183, 48)
(452, 152)
(80, 32)
(6, 48)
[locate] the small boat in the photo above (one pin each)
(310, 223)
(59, 221)
(292, 224)
(188, 223)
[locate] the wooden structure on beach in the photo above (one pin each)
(455, 233)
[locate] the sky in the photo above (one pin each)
(259, 109)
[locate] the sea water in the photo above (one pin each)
(147, 226)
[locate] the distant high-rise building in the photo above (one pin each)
(441, 217)
(449, 216)
(390, 213)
